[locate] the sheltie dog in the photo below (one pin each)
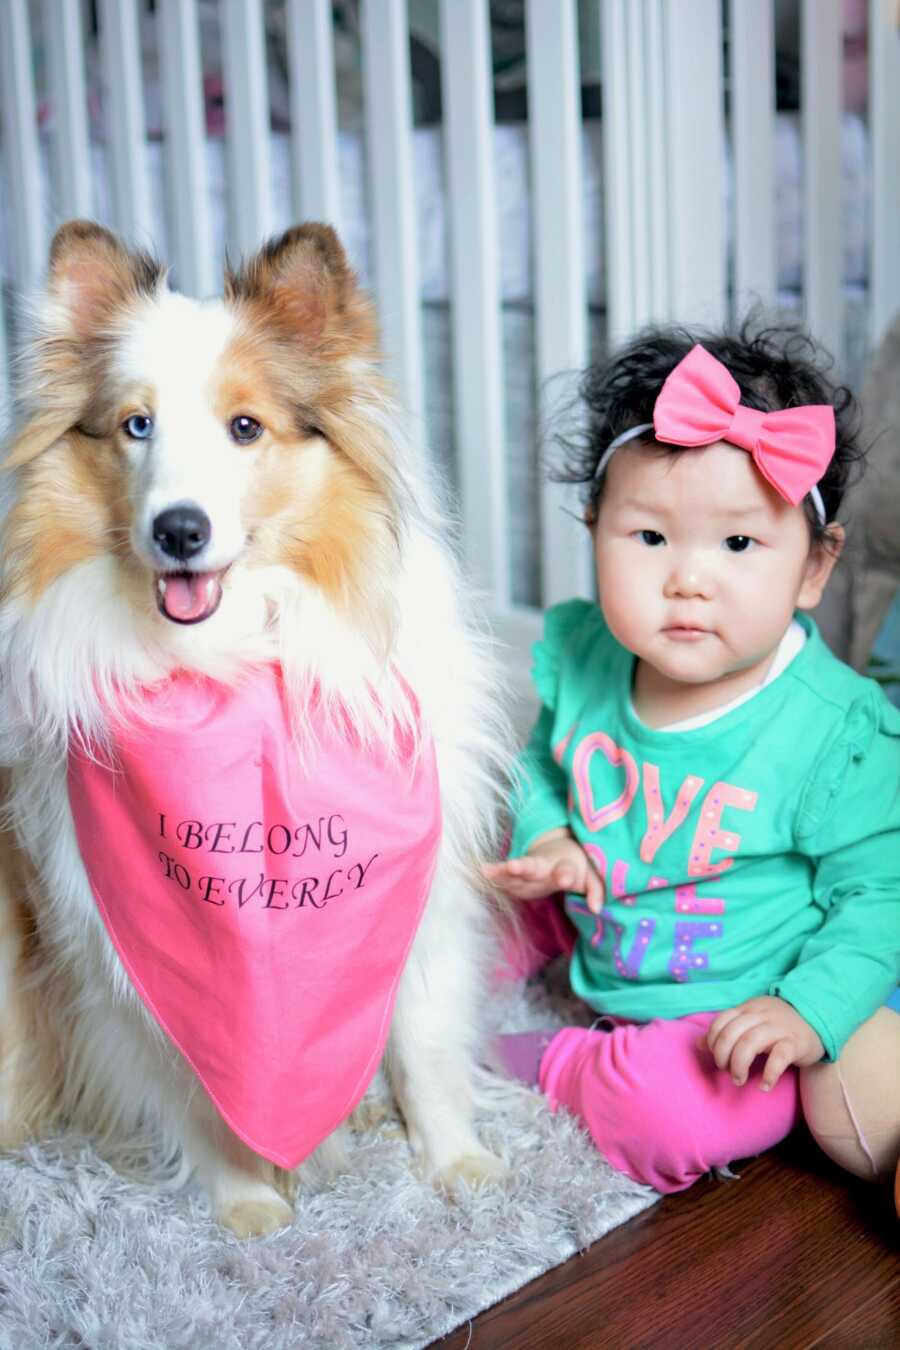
(210, 487)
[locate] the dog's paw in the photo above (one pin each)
(377, 1115)
(472, 1170)
(255, 1218)
(12, 1138)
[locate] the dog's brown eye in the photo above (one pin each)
(244, 429)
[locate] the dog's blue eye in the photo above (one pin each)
(138, 427)
(244, 429)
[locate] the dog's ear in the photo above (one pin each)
(91, 275)
(305, 287)
(36, 437)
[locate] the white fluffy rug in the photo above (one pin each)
(374, 1258)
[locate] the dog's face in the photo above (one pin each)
(192, 442)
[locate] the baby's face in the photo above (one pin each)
(700, 564)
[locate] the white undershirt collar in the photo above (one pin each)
(787, 649)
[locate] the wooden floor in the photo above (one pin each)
(795, 1254)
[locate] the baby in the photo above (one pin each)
(717, 795)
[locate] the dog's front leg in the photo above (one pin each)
(436, 1030)
(125, 1074)
(29, 1049)
(238, 1182)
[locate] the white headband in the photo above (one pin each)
(634, 433)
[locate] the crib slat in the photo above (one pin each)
(5, 390)
(821, 100)
(640, 186)
(388, 103)
(560, 301)
(618, 170)
(23, 167)
(186, 177)
(753, 139)
(316, 188)
(247, 123)
(129, 180)
(477, 352)
(71, 151)
(884, 123)
(657, 167)
(695, 127)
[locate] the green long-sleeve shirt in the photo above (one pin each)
(758, 853)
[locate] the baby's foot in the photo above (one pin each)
(521, 1052)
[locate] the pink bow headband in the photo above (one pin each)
(699, 404)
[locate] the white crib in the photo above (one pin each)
(665, 209)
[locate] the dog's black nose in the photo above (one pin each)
(181, 531)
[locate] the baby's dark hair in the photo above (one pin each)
(775, 367)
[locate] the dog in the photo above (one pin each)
(197, 492)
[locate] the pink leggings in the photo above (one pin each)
(655, 1104)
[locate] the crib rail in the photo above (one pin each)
(560, 295)
(822, 141)
(122, 63)
(316, 190)
(752, 106)
(21, 143)
(673, 98)
(186, 161)
(884, 108)
(477, 355)
(71, 161)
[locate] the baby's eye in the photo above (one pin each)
(652, 538)
(738, 543)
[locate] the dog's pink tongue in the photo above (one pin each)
(190, 596)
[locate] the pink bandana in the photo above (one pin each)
(263, 907)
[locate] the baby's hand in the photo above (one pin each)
(764, 1024)
(556, 862)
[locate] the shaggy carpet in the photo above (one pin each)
(375, 1257)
